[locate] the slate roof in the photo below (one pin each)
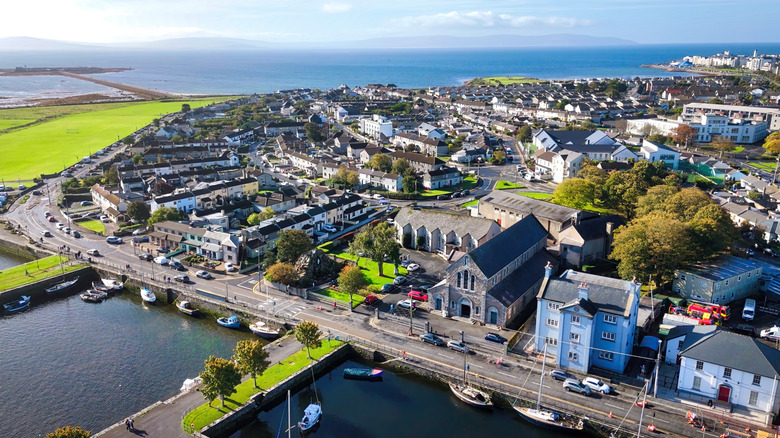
(538, 208)
(460, 224)
(515, 284)
(596, 228)
(609, 295)
(499, 251)
(722, 268)
(744, 353)
(584, 304)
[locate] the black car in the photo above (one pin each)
(495, 337)
(744, 329)
(163, 250)
(146, 257)
(36, 192)
(465, 193)
(176, 265)
(432, 339)
(443, 197)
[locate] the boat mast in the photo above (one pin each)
(541, 379)
(289, 428)
(642, 415)
(464, 368)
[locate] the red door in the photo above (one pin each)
(724, 392)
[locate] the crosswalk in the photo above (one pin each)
(280, 308)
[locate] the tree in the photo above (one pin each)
(267, 213)
(111, 176)
(657, 138)
(185, 108)
(283, 273)
(401, 166)
(69, 432)
(722, 144)
(409, 184)
(654, 199)
(712, 230)
(138, 159)
(163, 214)
(351, 280)
(772, 143)
(220, 378)
(251, 358)
(138, 211)
(381, 162)
(313, 132)
(345, 177)
(291, 244)
(575, 192)
(253, 219)
(352, 179)
(498, 157)
(683, 134)
(377, 243)
(308, 334)
(524, 133)
(685, 204)
(128, 140)
(162, 188)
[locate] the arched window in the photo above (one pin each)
(473, 277)
(458, 279)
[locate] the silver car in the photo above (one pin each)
(457, 346)
(576, 386)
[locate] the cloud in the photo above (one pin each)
(488, 19)
(334, 8)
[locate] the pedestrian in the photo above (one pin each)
(127, 423)
(132, 424)
(334, 305)
(404, 354)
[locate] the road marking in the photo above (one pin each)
(444, 355)
(475, 365)
(613, 406)
(505, 374)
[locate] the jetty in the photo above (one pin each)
(144, 93)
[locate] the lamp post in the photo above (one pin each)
(657, 369)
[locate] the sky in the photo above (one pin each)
(643, 21)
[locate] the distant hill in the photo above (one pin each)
(411, 42)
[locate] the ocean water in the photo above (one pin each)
(240, 72)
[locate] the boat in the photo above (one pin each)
(548, 418)
(229, 322)
(467, 393)
(114, 284)
(147, 295)
(61, 286)
(94, 296)
(99, 286)
(187, 308)
(311, 416)
(264, 331)
(20, 304)
(363, 373)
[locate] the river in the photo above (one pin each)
(66, 362)
(399, 406)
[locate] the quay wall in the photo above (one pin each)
(37, 291)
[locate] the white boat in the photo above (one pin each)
(264, 331)
(61, 286)
(311, 416)
(147, 295)
(113, 284)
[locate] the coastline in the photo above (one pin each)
(669, 68)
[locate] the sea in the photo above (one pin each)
(265, 71)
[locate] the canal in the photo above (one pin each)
(401, 405)
(67, 362)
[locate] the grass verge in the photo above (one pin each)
(34, 271)
(341, 296)
(766, 166)
(205, 414)
(503, 184)
(468, 183)
(94, 225)
(371, 269)
(471, 203)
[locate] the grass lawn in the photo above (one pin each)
(766, 166)
(503, 80)
(36, 270)
(10, 123)
(738, 149)
(502, 184)
(205, 414)
(61, 140)
(341, 296)
(94, 225)
(370, 268)
(468, 183)
(536, 195)
(471, 203)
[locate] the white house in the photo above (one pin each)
(375, 126)
(657, 152)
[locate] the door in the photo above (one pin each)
(724, 392)
(493, 316)
(465, 310)
(437, 302)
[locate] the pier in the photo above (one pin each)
(141, 92)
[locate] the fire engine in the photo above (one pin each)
(702, 318)
(722, 313)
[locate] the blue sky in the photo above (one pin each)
(644, 21)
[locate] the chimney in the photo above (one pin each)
(608, 245)
(582, 291)
(548, 270)
(636, 287)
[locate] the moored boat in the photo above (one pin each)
(363, 373)
(471, 395)
(263, 330)
(114, 284)
(311, 416)
(99, 286)
(94, 296)
(17, 305)
(147, 295)
(61, 286)
(187, 308)
(229, 322)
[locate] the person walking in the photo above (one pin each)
(334, 305)
(132, 424)
(127, 423)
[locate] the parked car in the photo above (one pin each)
(51, 219)
(406, 263)
(86, 203)
(411, 267)
(175, 264)
(370, 299)
(114, 239)
(465, 193)
(103, 218)
(386, 288)
(93, 252)
(443, 197)
(559, 375)
(181, 278)
(417, 295)
(770, 252)
(457, 346)
(229, 267)
(406, 304)
(75, 234)
(140, 239)
(432, 339)
(22, 187)
(773, 334)
(46, 234)
(576, 386)
(139, 231)
(744, 329)
(163, 250)
(161, 260)
(596, 385)
(495, 337)
(146, 257)
(204, 275)
(329, 228)
(399, 280)
(36, 192)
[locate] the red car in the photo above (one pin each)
(51, 219)
(417, 295)
(370, 299)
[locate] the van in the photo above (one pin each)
(749, 311)
(85, 159)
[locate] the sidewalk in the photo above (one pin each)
(163, 419)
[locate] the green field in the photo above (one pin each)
(468, 183)
(207, 413)
(341, 296)
(61, 140)
(471, 203)
(33, 271)
(503, 80)
(502, 184)
(10, 123)
(370, 268)
(767, 166)
(94, 225)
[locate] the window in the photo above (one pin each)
(610, 319)
(682, 277)
(476, 310)
(573, 356)
(458, 280)
(473, 277)
(606, 355)
(696, 383)
(574, 337)
(757, 380)
(575, 319)
(726, 372)
(553, 342)
(699, 365)
(608, 336)
(452, 304)
(553, 306)
(552, 322)
(753, 399)
(679, 345)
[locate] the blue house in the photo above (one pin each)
(587, 320)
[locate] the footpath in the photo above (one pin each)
(163, 419)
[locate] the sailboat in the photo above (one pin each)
(467, 393)
(261, 328)
(547, 418)
(61, 286)
(313, 412)
(147, 295)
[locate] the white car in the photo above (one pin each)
(771, 334)
(406, 304)
(112, 239)
(411, 267)
(161, 260)
(596, 385)
(93, 252)
(60, 225)
(203, 274)
(329, 228)
(229, 267)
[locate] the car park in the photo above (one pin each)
(370, 299)
(204, 275)
(114, 239)
(417, 295)
(46, 234)
(411, 267)
(457, 346)
(93, 252)
(596, 385)
(430, 338)
(406, 304)
(181, 278)
(146, 257)
(75, 234)
(399, 280)
(576, 386)
(495, 337)
(559, 374)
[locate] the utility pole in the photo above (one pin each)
(411, 317)
(774, 177)
(657, 369)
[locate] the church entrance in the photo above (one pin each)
(465, 307)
